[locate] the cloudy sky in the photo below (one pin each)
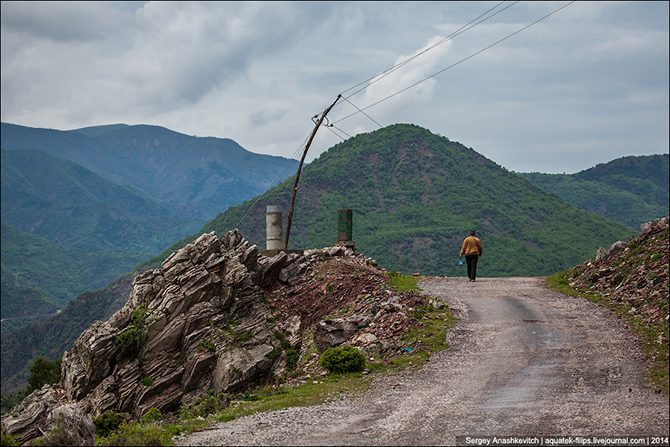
(584, 86)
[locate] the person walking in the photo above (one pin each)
(472, 249)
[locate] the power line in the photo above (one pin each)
(461, 30)
(371, 118)
(333, 125)
(336, 134)
(453, 65)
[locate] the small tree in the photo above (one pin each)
(43, 372)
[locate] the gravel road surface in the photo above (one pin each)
(523, 361)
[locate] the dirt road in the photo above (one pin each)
(523, 361)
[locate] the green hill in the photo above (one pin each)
(629, 190)
(415, 195)
(66, 230)
(51, 336)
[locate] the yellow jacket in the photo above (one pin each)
(471, 246)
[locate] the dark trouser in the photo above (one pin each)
(472, 266)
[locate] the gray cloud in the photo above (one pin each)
(585, 86)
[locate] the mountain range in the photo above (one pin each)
(193, 176)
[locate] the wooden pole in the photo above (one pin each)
(297, 176)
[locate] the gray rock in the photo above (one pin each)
(335, 332)
(657, 223)
(30, 418)
(69, 425)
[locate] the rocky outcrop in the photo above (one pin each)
(634, 272)
(198, 322)
(216, 316)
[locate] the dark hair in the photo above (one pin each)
(472, 232)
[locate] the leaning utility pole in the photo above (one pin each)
(297, 176)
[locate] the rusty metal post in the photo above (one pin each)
(344, 226)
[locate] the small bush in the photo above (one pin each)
(108, 422)
(205, 405)
(147, 381)
(137, 435)
(131, 339)
(153, 414)
(283, 341)
(292, 357)
(42, 372)
(343, 359)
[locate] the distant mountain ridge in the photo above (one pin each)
(194, 176)
(630, 190)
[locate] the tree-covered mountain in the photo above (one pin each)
(50, 337)
(194, 176)
(630, 190)
(66, 230)
(74, 207)
(415, 195)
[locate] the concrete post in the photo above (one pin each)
(273, 217)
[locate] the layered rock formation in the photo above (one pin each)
(217, 316)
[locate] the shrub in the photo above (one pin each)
(208, 345)
(153, 414)
(292, 357)
(131, 339)
(137, 435)
(42, 372)
(108, 422)
(205, 405)
(343, 359)
(148, 381)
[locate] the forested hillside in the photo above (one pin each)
(66, 230)
(629, 190)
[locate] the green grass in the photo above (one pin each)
(657, 354)
(403, 283)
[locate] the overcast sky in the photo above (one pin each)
(584, 86)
